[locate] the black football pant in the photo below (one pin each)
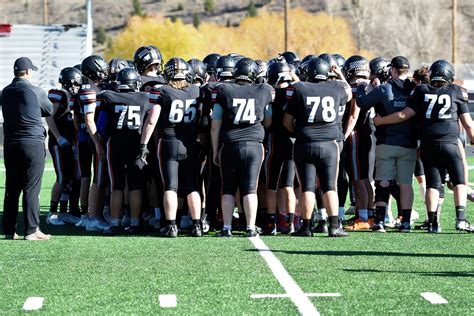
(24, 164)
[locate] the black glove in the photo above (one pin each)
(140, 161)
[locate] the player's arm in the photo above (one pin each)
(216, 125)
(54, 129)
(347, 88)
(395, 118)
(267, 116)
(465, 116)
(367, 100)
(150, 124)
(353, 117)
(90, 104)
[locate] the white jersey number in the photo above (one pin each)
(245, 111)
(328, 113)
(182, 111)
(443, 100)
(131, 112)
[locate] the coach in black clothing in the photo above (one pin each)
(24, 151)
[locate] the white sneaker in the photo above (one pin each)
(53, 219)
(96, 225)
(83, 221)
(68, 218)
(38, 235)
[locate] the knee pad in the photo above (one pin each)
(382, 190)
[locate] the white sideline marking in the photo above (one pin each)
(294, 292)
(33, 303)
(287, 296)
(167, 300)
(45, 169)
(434, 298)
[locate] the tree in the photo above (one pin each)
(101, 36)
(209, 6)
(196, 20)
(137, 8)
(252, 10)
(173, 18)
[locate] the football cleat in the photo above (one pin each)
(68, 218)
(83, 221)
(126, 220)
(434, 229)
(112, 231)
(358, 226)
(464, 226)
(321, 227)
(379, 228)
(133, 230)
(224, 233)
(404, 227)
(424, 226)
(270, 229)
(169, 231)
(303, 232)
(196, 232)
(252, 233)
(96, 225)
(339, 232)
(205, 226)
(53, 219)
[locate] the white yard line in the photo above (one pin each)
(167, 300)
(287, 295)
(33, 303)
(434, 298)
(295, 293)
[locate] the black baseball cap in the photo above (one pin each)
(24, 63)
(400, 62)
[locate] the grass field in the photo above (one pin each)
(373, 274)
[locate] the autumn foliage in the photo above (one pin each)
(256, 37)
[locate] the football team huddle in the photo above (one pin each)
(233, 144)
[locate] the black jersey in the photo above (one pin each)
(315, 107)
(179, 110)
(125, 111)
(364, 122)
(150, 82)
(208, 97)
(438, 111)
(62, 117)
(85, 102)
(243, 108)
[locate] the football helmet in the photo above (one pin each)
(262, 71)
(380, 68)
(225, 67)
(146, 56)
(128, 79)
(199, 70)
(115, 65)
(279, 72)
(246, 69)
(441, 70)
(340, 60)
(176, 69)
(290, 57)
(71, 79)
(210, 62)
(356, 66)
(95, 68)
(317, 70)
(331, 61)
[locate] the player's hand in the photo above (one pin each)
(377, 120)
(376, 82)
(337, 70)
(216, 160)
(63, 142)
(140, 161)
(362, 82)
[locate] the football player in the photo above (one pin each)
(175, 109)
(91, 144)
(61, 139)
(237, 135)
(312, 113)
(125, 108)
(438, 107)
(395, 155)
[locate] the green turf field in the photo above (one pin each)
(374, 274)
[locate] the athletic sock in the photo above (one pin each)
(406, 215)
(432, 218)
(84, 209)
(53, 207)
(323, 215)
(63, 206)
(461, 213)
(364, 215)
(251, 227)
(272, 219)
(371, 212)
(341, 213)
(157, 213)
(290, 217)
(196, 222)
(333, 222)
(172, 222)
(380, 212)
(227, 227)
(306, 224)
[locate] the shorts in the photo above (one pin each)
(358, 153)
(395, 163)
(279, 164)
(63, 160)
(121, 155)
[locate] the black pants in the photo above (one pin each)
(24, 164)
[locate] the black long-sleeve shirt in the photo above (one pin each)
(23, 107)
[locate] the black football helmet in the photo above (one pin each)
(176, 69)
(290, 57)
(190, 74)
(78, 67)
(95, 68)
(331, 61)
(441, 70)
(262, 71)
(71, 79)
(317, 70)
(225, 67)
(115, 65)
(380, 68)
(210, 62)
(340, 60)
(356, 66)
(128, 79)
(146, 56)
(246, 69)
(279, 72)
(199, 70)
(304, 65)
